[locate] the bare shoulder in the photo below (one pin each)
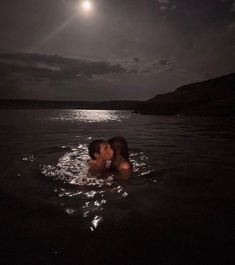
(125, 166)
(91, 163)
(125, 169)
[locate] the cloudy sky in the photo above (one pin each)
(158, 44)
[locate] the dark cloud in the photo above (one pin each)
(145, 71)
(136, 59)
(233, 7)
(170, 69)
(133, 71)
(163, 1)
(163, 61)
(55, 67)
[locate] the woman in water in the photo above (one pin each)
(120, 162)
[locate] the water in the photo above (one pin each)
(181, 191)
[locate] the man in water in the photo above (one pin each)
(100, 153)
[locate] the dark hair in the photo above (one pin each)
(120, 150)
(94, 147)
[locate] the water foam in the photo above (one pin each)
(88, 195)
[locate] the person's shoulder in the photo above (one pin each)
(125, 169)
(125, 166)
(91, 163)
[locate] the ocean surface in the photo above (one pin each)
(177, 207)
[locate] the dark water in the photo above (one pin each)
(177, 208)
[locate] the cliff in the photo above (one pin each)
(214, 97)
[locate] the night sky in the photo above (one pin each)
(156, 45)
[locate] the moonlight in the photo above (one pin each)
(87, 6)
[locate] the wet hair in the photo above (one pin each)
(94, 147)
(120, 150)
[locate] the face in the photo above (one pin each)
(106, 152)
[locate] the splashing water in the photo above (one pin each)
(85, 194)
(72, 168)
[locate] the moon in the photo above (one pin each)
(87, 6)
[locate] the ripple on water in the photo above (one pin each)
(91, 116)
(80, 193)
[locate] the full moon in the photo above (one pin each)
(87, 6)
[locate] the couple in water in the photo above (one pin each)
(110, 156)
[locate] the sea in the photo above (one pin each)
(176, 208)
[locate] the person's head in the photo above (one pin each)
(120, 148)
(99, 149)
